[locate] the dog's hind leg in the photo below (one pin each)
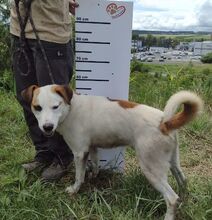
(169, 195)
(155, 167)
(80, 159)
(161, 184)
(177, 171)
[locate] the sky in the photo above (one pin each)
(172, 15)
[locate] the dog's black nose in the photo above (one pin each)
(48, 127)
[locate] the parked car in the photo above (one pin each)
(143, 58)
(149, 59)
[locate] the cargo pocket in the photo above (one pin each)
(58, 62)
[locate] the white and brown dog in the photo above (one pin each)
(88, 122)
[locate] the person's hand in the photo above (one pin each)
(72, 6)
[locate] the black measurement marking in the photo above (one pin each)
(92, 22)
(83, 70)
(94, 80)
(81, 39)
(83, 32)
(91, 42)
(81, 59)
(100, 160)
(84, 88)
(90, 61)
(83, 51)
(82, 19)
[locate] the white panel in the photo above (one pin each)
(103, 43)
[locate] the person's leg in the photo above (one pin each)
(25, 76)
(60, 58)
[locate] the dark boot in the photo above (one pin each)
(33, 165)
(54, 172)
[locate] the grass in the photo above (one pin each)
(126, 196)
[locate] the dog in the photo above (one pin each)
(87, 122)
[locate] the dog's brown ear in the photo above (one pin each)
(27, 94)
(65, 92)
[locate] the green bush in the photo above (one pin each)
(207, 58)
(4, 57)
(5, 61)
(137, 66)
(6, 79)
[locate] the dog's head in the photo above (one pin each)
(50, 105)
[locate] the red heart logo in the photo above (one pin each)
(114, 11)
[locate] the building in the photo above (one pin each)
(191, 46)
(202, 48)
(136, 45)
(183, 46)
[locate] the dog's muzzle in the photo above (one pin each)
(48, 129)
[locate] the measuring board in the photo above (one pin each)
(102, 44)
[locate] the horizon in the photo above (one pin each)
(174, 31)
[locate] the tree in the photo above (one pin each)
(207, 58)
(4, 11)
(149, 40)
(4, 22)
(5, 61)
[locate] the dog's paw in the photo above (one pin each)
(70, 190)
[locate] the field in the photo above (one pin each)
(183, 37)
(111, 196)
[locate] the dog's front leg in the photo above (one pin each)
(80, 159)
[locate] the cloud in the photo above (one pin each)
(163, 21)
(173, 15)
(204, 16)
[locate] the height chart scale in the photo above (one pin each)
(102, 45)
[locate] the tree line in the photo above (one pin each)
(161, 41)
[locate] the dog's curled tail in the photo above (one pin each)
(192, 106)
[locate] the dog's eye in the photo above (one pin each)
(37, 108)
(55, 107)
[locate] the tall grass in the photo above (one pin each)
(161, 81)
(111, 196)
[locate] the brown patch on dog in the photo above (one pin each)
(124, 104)
(34, 98)
(64, 91)
(180, 119)
(164, 129)
(28, 93)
